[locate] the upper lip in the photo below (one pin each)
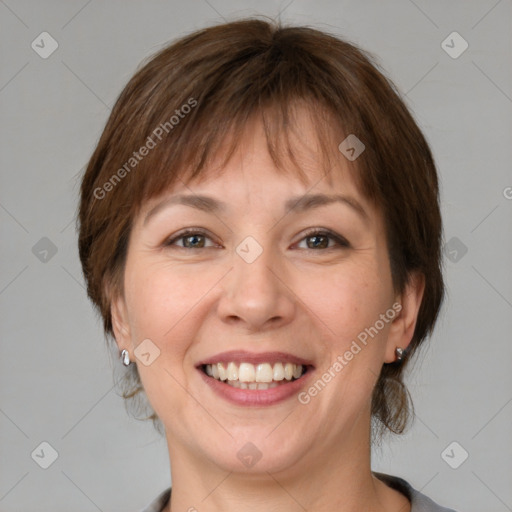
(242, 356)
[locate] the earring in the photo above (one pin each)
(399, 352)
(125, 357)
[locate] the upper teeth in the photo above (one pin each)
(247, 372)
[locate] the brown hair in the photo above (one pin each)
(183, 102)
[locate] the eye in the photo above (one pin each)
(191, 238)
(194, 238)
(320, 238)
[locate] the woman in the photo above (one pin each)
(260, 231)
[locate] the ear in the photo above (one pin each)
(120, 323)
(404, 323)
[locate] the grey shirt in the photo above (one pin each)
(419, 502)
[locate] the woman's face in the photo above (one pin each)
(258, 278)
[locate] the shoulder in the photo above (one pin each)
(419, 502)
(158, 504)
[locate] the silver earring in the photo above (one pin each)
(399, 353)
(125, 357)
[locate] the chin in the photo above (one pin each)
(255, 454)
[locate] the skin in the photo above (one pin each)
(311, 302)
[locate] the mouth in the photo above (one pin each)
(255, 379)
(259, 376)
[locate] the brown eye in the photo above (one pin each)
(190, 239)
(317, 239)
(193, 241)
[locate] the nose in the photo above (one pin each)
(256, 295)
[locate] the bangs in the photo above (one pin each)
(211, 139)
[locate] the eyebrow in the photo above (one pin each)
(298, 203)
(199, 202)
(310, 201)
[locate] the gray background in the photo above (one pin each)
(56, 380)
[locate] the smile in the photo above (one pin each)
(254, 376)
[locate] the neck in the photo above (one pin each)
(334, 476)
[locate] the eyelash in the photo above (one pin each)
(340, 241)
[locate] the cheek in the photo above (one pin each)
(162, 304)
(349, 304)
(166, 302)
(150, 304)
(346, 300)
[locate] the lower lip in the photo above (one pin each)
(256, 397)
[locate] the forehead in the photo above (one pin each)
(304, 158)
(251, 183)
